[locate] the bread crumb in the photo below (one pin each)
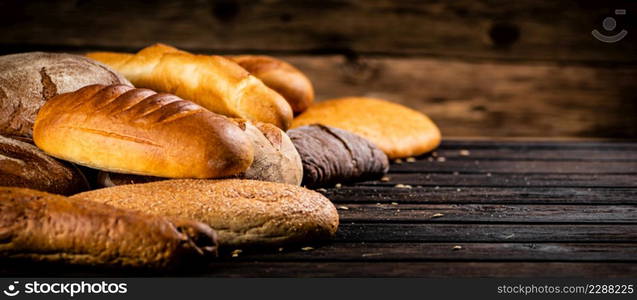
(398, 161)
(441, 159)
(438, 215)
(464, 152)
(307, 248)
(385, 179)
(280, 249)
(343, 207)
(338, 185)
(402, 186)
(236, 252)
(411, 159)
(394, 203)
(456, 248)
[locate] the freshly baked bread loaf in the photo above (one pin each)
(397, 130)
(243, 212)
(122, 129)
(332, 155)
(24, 165)
(109, 179)
(214, 82)
(275, 157)
(45, 227)
(280, 76)
(27, 80)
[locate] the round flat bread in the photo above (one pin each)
(397, 130)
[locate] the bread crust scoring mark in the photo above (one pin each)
(113, 135)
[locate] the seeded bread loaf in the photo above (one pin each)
(243, 212)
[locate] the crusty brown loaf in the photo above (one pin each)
(45, 227)
(282, 77)
(214, 82)
(27, 80)
(332, 155)
(122, 129)
(24, 165)
(397, 130)
(243, 212)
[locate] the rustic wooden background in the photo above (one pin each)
(478, 68)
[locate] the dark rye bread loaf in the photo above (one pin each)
(138, 131)
(24, 165)
(28, 80)
(331, 155)
(242, 212)
(39, 226)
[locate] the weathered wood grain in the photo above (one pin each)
(376, 252)
(478, 232)
(424, 269)
(528, 30)
(483, 213)
(482, 195)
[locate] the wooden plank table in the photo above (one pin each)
(470, 209)
(478, 209)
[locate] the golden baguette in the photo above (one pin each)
(214, 82)
(282, 77)
(394, 128)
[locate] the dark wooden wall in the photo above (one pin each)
(478, 68)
